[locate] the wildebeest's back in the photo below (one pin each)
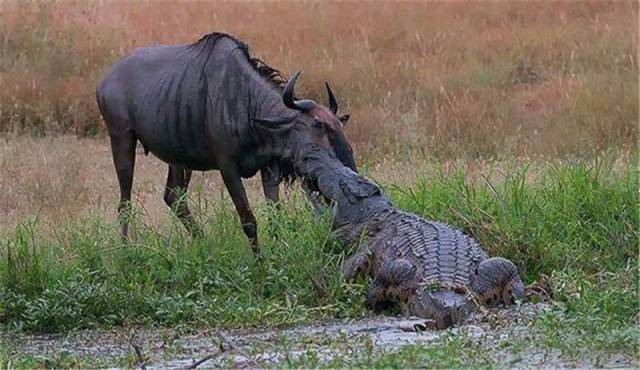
(161, 92)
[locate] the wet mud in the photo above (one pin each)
(164, 348)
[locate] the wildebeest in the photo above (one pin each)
(210, 105)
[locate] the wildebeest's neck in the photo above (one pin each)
(241, 88)
(265, 101)
(260, 84)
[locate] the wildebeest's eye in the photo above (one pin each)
(318, 124)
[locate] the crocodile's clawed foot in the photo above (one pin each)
(426, 325)
(417, 327)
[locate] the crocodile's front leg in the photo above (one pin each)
(496, 281)
(393, 282)
(355, 265)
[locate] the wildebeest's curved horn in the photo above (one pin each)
(333, 104)
(287, 96)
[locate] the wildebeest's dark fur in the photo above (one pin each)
(210, 105)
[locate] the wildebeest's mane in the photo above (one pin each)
(276, 78)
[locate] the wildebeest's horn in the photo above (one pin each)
(333, 104)
(287, 96)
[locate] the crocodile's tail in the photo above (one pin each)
(497, 281)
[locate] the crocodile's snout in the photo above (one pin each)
(445, 307)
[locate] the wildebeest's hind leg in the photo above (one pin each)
(123, 150)
(174, 196)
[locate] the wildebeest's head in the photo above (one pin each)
(311, 124)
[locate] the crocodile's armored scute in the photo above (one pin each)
(445, 256)
(434, 270)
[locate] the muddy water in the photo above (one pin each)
(163, 348)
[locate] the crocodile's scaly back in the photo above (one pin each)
(445, 261)
(443, 255)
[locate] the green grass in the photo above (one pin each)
(61, 360)
(455, 351)
(86, 277)
(576, 223)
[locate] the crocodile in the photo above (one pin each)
(429, 268)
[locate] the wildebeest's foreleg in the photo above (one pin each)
(315, 198)
(123, 149)
(271, 187)
(233, 182)
(174, 196)
(270, 184)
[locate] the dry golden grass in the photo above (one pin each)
(59, 179)
(476, 78)
(421, 79)
(62, 179)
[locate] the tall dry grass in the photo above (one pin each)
(477, 78)
(55, 180)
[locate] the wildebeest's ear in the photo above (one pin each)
(344, 119)
(274, 123)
